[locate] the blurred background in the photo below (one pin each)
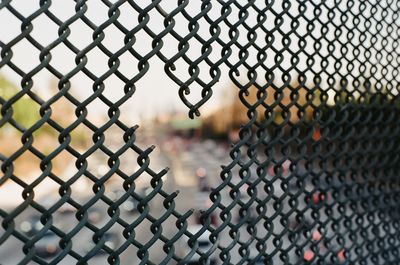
(193, 149)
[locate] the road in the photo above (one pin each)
(188, 160)
(181, 177)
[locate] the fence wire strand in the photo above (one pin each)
(314, 175)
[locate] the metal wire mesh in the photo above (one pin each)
(313, 177)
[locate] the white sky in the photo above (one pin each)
(156, 92)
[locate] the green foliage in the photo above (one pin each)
(25, 110)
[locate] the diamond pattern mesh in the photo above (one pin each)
(312, 178)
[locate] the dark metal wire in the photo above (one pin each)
(339, 200)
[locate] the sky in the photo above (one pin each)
(155, 92)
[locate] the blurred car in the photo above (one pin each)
(204, 185)
(209, 145)
(47, 246)
(131, 203)
(67, 209)
(31, 226)
(204, 244)
(198, 219)
(115, 194)
(97, 215)
(258, 261)
(64, 209)
(111, 240)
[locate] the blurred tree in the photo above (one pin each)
(296, 102)
(25, 110)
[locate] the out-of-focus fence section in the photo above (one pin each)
(312, 176)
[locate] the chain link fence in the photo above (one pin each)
(313, 177)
